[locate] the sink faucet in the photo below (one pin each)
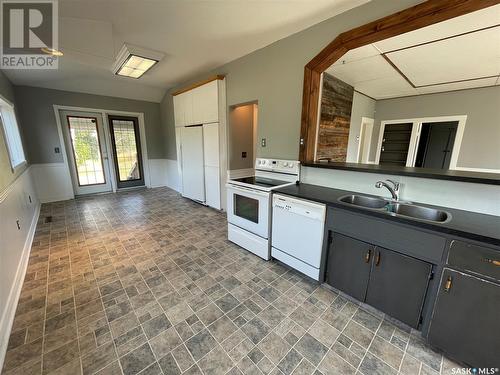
(394, 189)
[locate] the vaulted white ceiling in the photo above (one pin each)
(460, 53)
(194, 35)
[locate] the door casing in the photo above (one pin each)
(104, 112)
(101, 129)
(132, 183)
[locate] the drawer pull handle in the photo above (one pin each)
(377, 259)
(368, 255)
(492, 261)
(447, 285)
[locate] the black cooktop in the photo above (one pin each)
(261, 181)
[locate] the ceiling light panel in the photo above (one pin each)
(133, 61)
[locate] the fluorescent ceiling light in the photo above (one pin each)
(133, 61)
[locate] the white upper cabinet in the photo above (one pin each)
(179, 111)
(197, 106)
(207, 103)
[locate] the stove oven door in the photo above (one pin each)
(248, 209)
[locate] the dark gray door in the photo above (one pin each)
(465, 324)
(398, 284)
(395, 144)
(436, 144)
(127, 156)
(348, 267)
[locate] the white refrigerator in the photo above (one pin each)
(200, 164)
(193, 171)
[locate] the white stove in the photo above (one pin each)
(249, 203)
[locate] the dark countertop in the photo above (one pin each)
(438, 174)
(466, 224)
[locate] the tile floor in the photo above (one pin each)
(146, 282)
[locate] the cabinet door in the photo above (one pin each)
(398, 285)
(208, 102)
(465, 320)
(348, 267)
(193, 175)
(187, 99)
(179, 110)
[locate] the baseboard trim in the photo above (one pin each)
(15, 292)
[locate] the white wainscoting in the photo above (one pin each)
(164, 173)
(173, 178)
(158, 172)
(19, 217)
(52, 182)
(468, 196)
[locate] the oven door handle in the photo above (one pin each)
(245, 189)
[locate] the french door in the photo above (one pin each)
(126, 145)
(86, 149)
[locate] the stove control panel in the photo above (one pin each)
(278, 165)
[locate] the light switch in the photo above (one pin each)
(57, 150)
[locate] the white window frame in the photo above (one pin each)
(415, 137)
(12, 135)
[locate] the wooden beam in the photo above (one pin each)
(198, 84)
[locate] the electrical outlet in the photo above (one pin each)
(29, 197)
(263, 142)
(244, 154)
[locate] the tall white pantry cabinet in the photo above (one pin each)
(200, 134)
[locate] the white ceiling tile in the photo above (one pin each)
(458, 86)
(366, 69)
(476, 20)
(386, 87)
(358, 54)
(466, 57)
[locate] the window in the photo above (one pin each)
(11, 134)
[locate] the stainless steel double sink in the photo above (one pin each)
(396, 208)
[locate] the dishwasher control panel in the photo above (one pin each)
(302, 207)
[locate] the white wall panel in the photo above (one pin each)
(18, 205)
(53, 182)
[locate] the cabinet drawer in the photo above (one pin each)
(475, 258)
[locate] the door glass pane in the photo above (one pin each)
(86, 150)
(246, 208)
(126, 150)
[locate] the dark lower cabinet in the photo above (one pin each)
(398, 284)
(394, 283)
(465, 323)
(348, 266)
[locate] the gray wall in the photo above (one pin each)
(35, 108)
(168, 124)
(273, 76)
(7, 176)
(240, 137)
(481, 141)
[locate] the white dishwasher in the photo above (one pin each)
(297, 233)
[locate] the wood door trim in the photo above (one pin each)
(198, 84)
(135, 120)
(416, 17)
